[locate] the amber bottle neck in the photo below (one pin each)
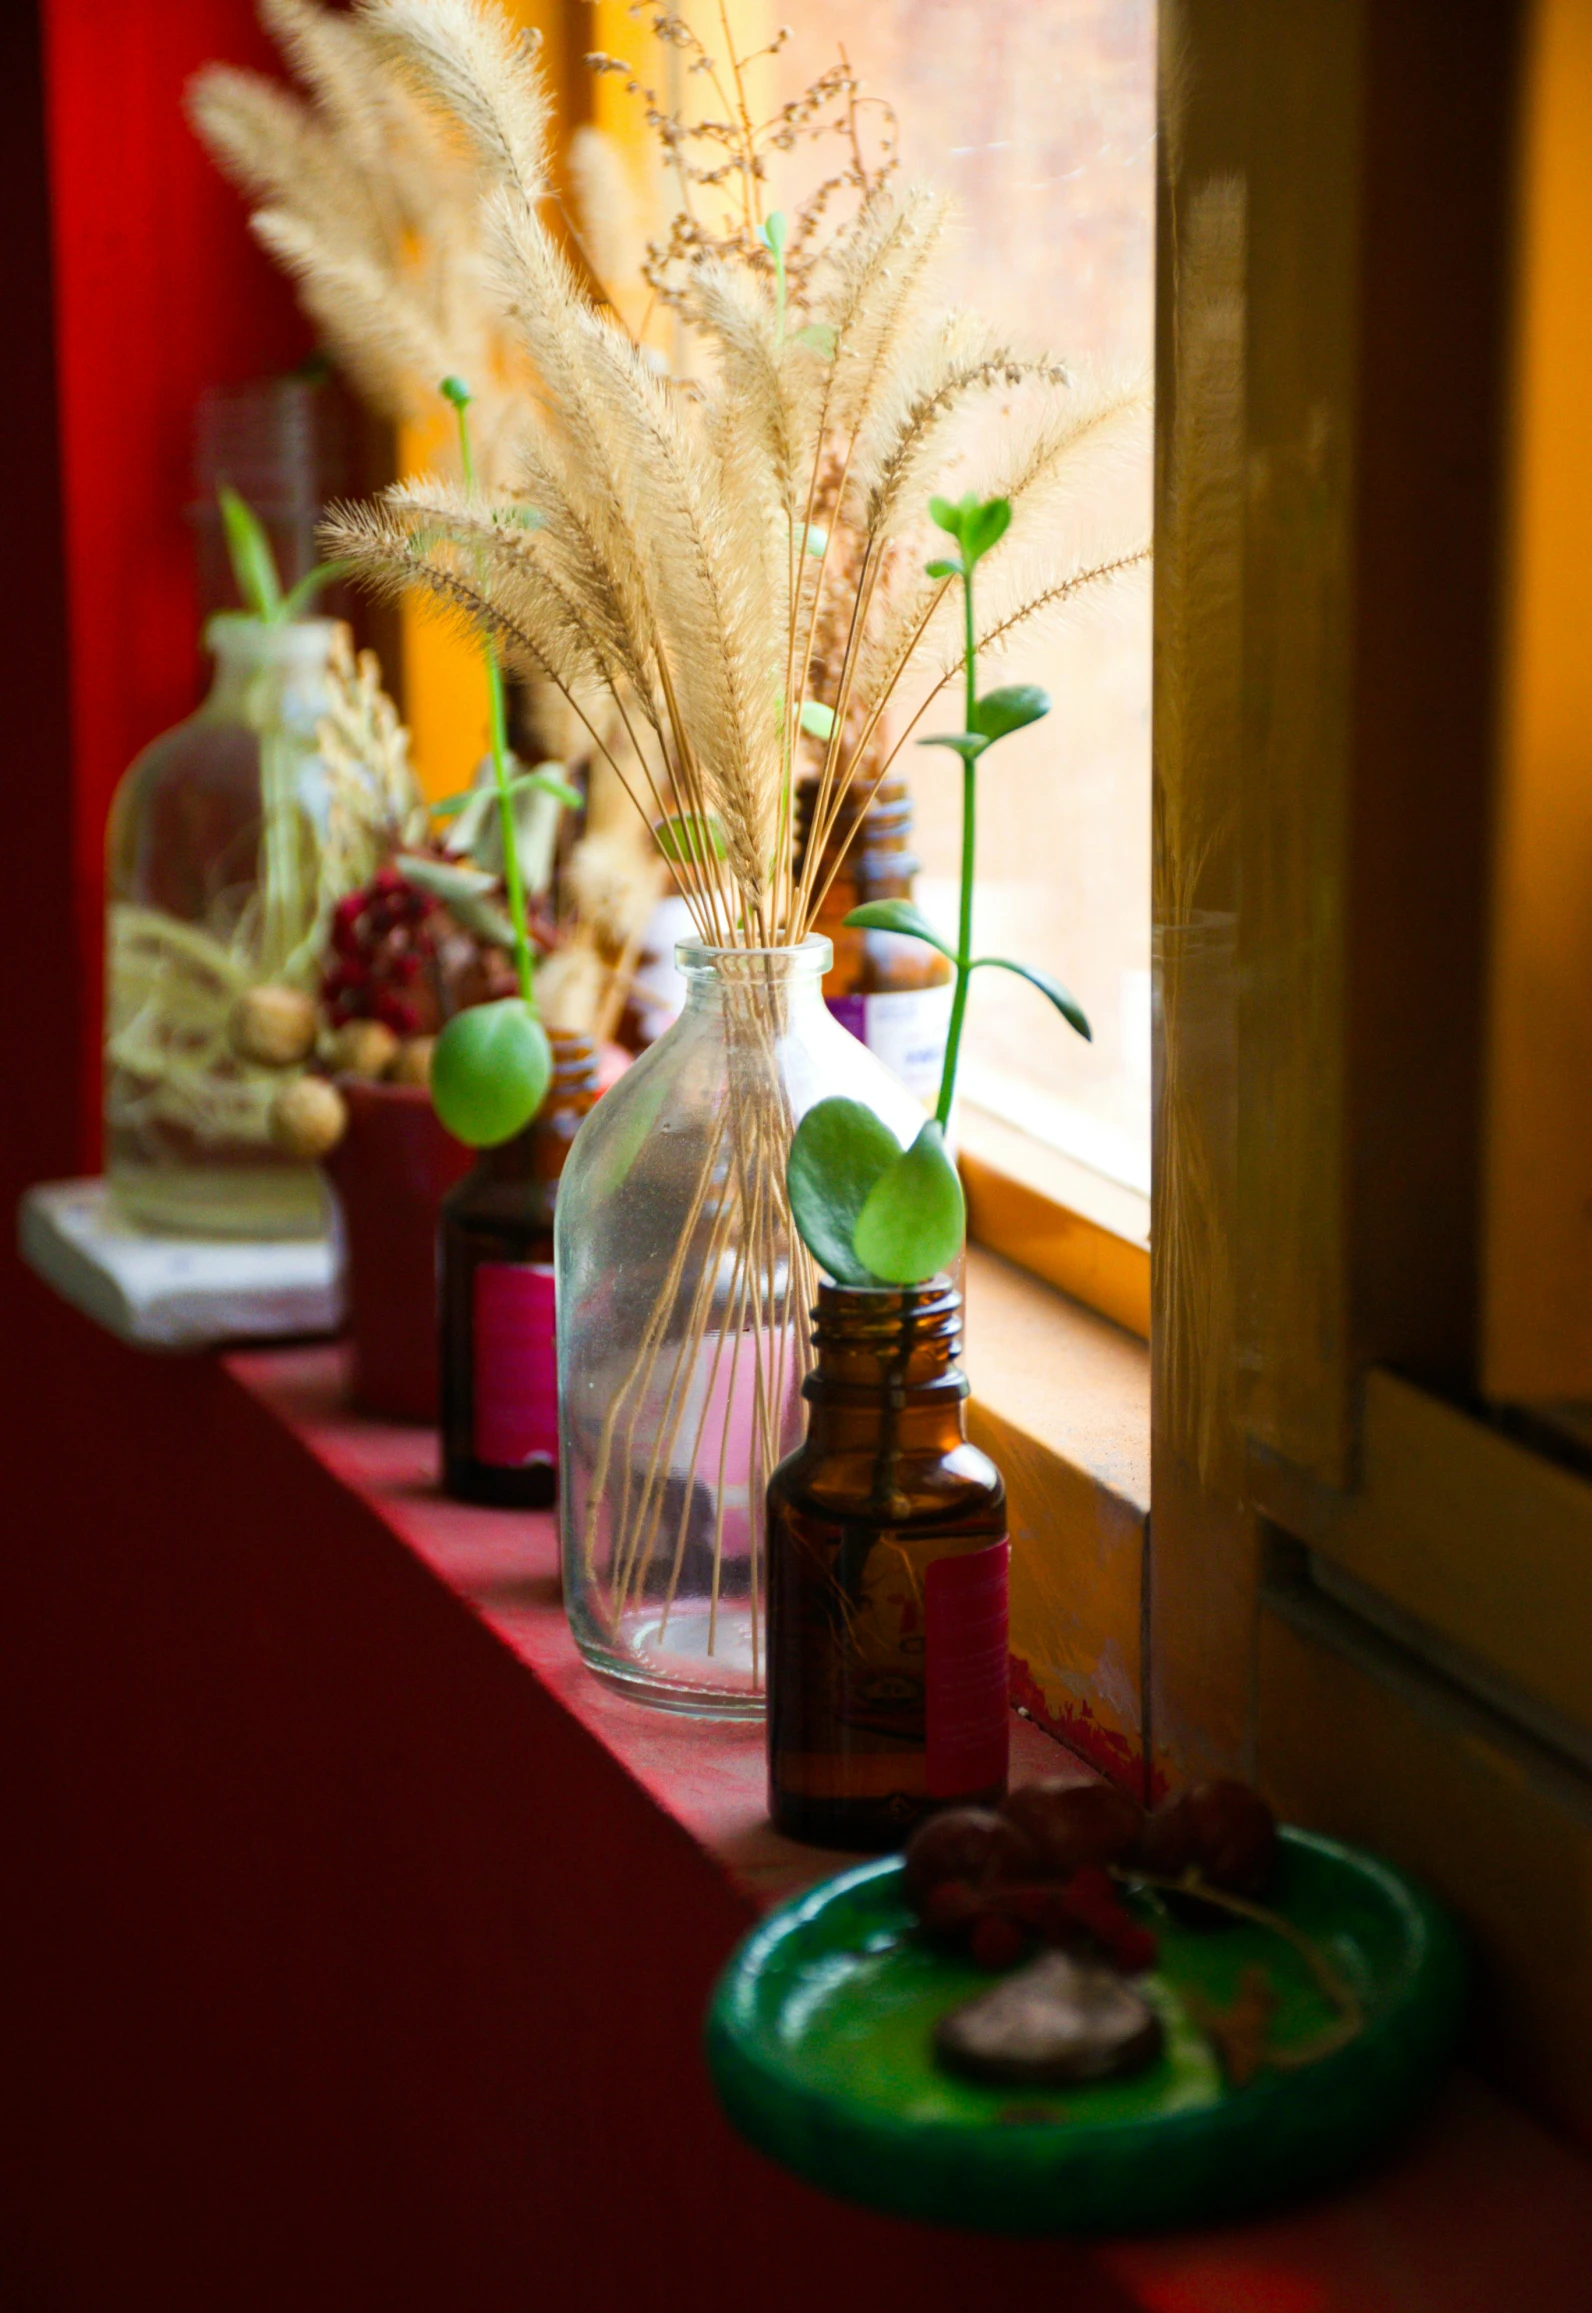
(866, 843)
(886, 1360)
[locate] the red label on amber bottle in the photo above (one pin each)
(965, 1671)
(515, 1376)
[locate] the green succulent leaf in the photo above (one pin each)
(490, 1072)
(450, 806)
(454, 389)
(983, 526)
(689, 838)
(1012, 708)
(968, 744)
(302, 593)
(774, 233)
(840, 1152)
(249, 551)
(915, 1219)
(466, 892)
(947, 514)
(1065, 1002)
(898, 915)
(942, 568)
(441, 878)
(817, 720)
(546, 782)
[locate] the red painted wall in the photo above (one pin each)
(128, 280)
(158, 291)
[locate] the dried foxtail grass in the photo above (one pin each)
(371, 198)
(695, 568)
(693, 554)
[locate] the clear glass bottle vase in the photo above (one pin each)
(683, 1340)
(219, 876)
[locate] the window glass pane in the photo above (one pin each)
(1040, 116)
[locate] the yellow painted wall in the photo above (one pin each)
(1538, 1253)
(444, 687)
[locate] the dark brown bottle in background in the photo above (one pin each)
(887, 1563)
(893, 993)
(495, 1297)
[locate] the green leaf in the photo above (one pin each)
(942, 569)
(440, 877)
(817, 538)
(775, 233)
(841, 1150)
(300, 595)
(454, 389)
(914, 1220)
(689, 839)
(946, 514)
(817, 720)
(464, 891)
(1066, 1003)
(450, 806)
(546, 783)
(983, 526)
(249, 550)
(898, 915)
(821, 336)
(1012, 708)
(490, 1072)
(968, 744)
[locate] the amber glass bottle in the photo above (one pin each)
(495, 1298)
(893, 993)
(887, 1556)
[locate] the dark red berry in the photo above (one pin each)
(397, 1013)
(967, 1843)
(1133, 1948)
(1224, 1831)
(1072, 1824)
(949, 1905)
(996, 1942)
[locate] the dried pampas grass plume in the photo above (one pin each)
(675, 563)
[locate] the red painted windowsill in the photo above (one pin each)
(707, 1777)
(1484, 2212)
(357, 1943)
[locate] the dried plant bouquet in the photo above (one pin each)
(709, 572)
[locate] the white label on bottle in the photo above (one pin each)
(658, 991)
(906, 1029)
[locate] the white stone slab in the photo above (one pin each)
(177, 1292)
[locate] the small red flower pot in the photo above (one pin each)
(391, 1170)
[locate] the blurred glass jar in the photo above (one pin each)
(683, 1333)
(216, 884)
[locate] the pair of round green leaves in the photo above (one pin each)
(869, 1211)
(490, 1072)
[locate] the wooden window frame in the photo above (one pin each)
(1367, 1585)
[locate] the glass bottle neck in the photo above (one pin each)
(740, 977)
(296, 654)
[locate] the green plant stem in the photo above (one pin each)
(964, 930)
(513, 881)
(281, 894)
